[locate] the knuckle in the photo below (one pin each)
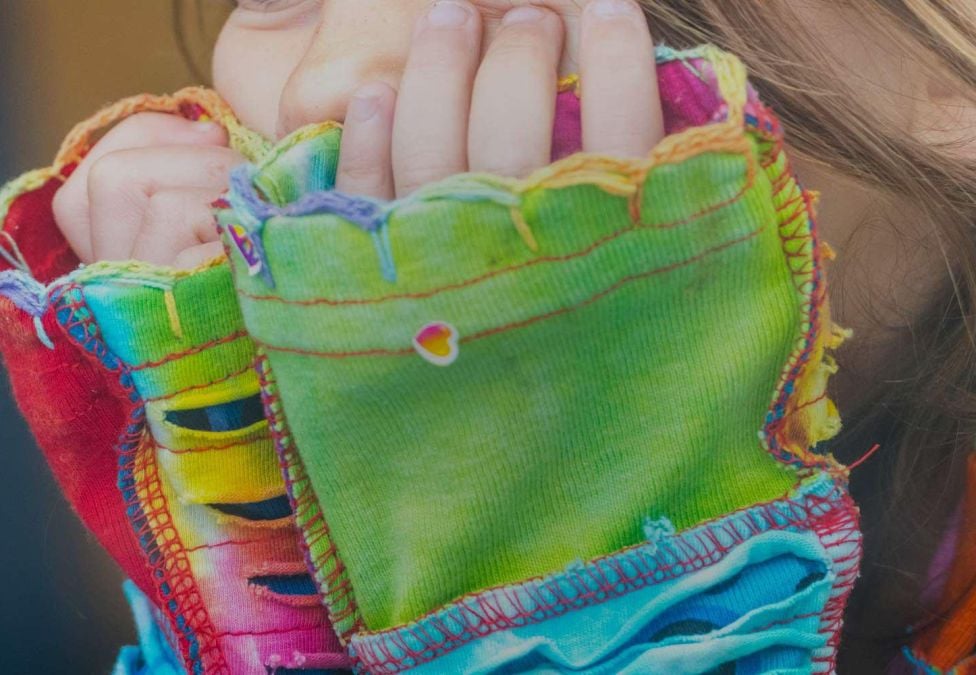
(422, 169)
(218, 170)
(145, 127)
(520, 50)
(361, 171)
(164, 206)
(109, 172)
(438, 51)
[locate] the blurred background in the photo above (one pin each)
(60, 61)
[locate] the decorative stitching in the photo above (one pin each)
(620, 283)
(190, 352)
(197, 387)
(635, 225)
(215, 448)
(797, 223)
(222, 544)
(538, 599)
(328, 570)
(176, 589)
(269, 631)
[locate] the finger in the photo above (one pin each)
(71, 205)
(513, 104)
(197, 255)
(122, 183)
(430, 129)
(175, 220)
(364, 160)
(619, 97)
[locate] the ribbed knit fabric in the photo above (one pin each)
(493, 381)
(147, 407)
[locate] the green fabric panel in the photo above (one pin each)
(603, 398)
(130, 306)
(300, 163)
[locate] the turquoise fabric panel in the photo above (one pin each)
(756, 611)
(153, 656)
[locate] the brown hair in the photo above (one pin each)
(923, 412)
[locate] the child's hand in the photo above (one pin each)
(458, 111)
(144, 192)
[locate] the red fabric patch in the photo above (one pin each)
(31, 223)
(77, 412)
(75, 409)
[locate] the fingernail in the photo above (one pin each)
(206, 127)
(523, 15)
(607, 9)
(365, 103)
(447, 14)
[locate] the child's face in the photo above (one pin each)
(282, 64)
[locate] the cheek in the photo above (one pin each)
(250, 69)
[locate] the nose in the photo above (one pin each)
(356, 41)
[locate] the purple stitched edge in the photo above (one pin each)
(24, 292)
(360, 211)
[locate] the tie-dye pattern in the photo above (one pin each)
(198, 477)
(180, 341)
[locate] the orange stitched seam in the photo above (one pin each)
(633, 227)
(812, 516)
(234, 337)
(534, 319)
(270, 631)
(197, 387)
(337, 588)
(233, 542)
(214, 448)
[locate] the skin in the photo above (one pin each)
(471, 87)
(428, 89)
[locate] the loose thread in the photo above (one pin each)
(868, 455)
(42, 334)
(523, 229)
(14, 256)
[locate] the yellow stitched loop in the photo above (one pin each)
(523, 229)
(174, 315)
(732, 78)
(79, 141)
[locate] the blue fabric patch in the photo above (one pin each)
(296, 584)
(755, 611)
(270, 509)
(230, 416)
(153, 656)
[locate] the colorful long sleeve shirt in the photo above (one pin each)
(572, 422)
